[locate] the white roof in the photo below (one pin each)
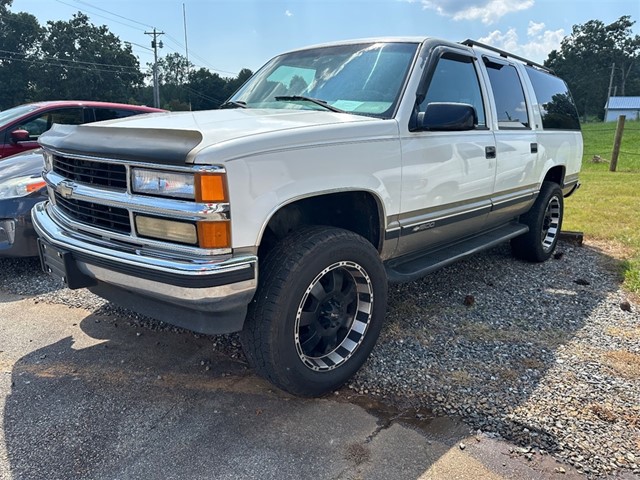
(623, 103)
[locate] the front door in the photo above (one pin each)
(447, 177)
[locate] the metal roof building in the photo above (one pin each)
(616, 106)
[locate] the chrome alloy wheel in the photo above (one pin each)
(551, 223)
(333, 316)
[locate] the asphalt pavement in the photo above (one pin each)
(84, 396)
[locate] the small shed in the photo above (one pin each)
(616, 106)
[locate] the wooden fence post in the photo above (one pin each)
(616, 143)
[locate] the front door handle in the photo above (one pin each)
(490, 151)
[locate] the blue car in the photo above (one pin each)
(21, 187)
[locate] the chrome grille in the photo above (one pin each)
(94, 214)
(91, 172)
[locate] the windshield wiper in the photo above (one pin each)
(233, 104)
(316, 101)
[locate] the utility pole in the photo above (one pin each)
(606, 107)
(155, 45)
(186, 46)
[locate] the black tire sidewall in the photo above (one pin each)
(331, 246)
(529, 246)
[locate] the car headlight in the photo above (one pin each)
(20, 187)
(164, 184)
(201, 186)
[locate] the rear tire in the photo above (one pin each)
(544, 221)
(318, 311)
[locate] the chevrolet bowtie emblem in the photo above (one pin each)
(65, 188)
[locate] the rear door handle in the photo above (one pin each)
(534, 148)
(490, 151)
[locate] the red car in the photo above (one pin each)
(21, 126)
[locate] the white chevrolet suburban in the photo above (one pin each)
(334, 170)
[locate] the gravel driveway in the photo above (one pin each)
(546, 355)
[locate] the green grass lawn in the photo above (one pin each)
(607, 205)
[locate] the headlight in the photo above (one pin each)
(21, 187)
(164, 184)
(201, 186)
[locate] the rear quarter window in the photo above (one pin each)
(507, 90)
(556, 104)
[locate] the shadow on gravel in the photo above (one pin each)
(24, 276)
(513, 349)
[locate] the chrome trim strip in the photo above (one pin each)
(513, 198)
(174, 208)
(571, 179)
(147, 165)
(131, 242)
(450, 213)
(433, 217)
(218, 296)
(453, 207)
(199, 296)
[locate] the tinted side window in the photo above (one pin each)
(556, 104)
(111, 113)
(67, 116)
(509, 96)
(455, 81)
(36, 126)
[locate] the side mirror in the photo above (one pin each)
(447, 117)
(18, 136)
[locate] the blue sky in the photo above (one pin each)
(227, 35)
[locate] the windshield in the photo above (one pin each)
(7, 116)
(363, 79)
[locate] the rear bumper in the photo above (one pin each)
(208, 295)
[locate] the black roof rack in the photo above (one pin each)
(472, 43)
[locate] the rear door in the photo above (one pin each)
(517, 167)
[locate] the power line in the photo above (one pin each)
(97, 15)
(172, 39)
(74, 61)
(118, 70)
(201, 95)
(114, 14)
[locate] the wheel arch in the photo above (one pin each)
(555, 174)
(360, 211)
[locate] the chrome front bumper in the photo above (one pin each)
(208, 295)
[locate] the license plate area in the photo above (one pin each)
(60, 264)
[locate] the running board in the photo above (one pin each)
(412, 267)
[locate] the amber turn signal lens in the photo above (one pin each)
(210, 187)
(214, 234)
(32, 187)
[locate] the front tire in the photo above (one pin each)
(544, 221)
(318, 311)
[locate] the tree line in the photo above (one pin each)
(597, 59)
(75, 59)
